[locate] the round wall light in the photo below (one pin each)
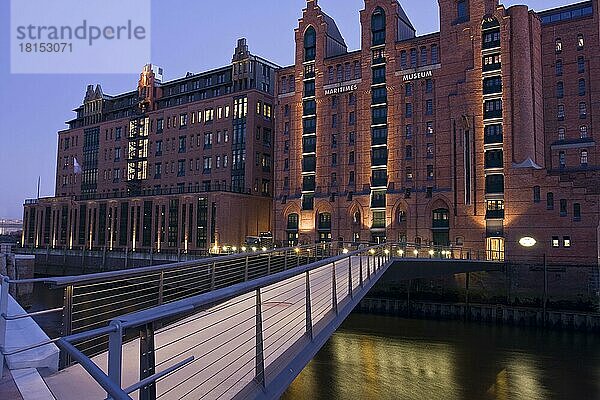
(527, 241)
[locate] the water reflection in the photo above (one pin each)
(373, 357)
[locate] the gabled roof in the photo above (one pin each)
(333, 30)
(404, 17)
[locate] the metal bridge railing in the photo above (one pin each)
(217, 343)
(90, 302)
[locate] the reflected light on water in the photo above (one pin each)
(375, 358)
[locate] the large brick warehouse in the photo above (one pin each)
(478, 135)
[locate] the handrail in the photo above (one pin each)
(126, 273)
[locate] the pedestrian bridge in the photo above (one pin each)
(247, 339)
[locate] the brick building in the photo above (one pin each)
(179, 165)
(477, 135)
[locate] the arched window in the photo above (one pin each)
(310, 44)
(378, 27)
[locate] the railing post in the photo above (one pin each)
(334, 289)
(161, 287)
(147, 361)
(309, 331)
(115, 353)
(260, 356)
(285, 254)
(246, 270)
(3, 312)
(368, 266)
(212, 276)
(360, 269)
(67, 328)
(269, 265)
(298, 259)
(350, 277)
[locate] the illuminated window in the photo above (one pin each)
(583, 158)
(566, 241)
(555, 241)
(582, 110)
(561, 133)
(558, 45)
(580, 42)
(583, 131)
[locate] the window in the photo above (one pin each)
(159, 125)
(409, 110)
(583, 158)
(357, 71)
(408, 89)
(429, 128)
(403, 59)
(562, 159)
(583, 131)
(207, 165)
(580, 42)
(208, 139)
(566, 241)
(378, 27)
(555, 241)
(352, 118)
(209, 115)
(351, 178)
(549, 201)
(563, 207)
(462, 11)
(339, 73)
(581, 87)
(351, 157)
(536, 194)
(559, 67)
(413, 58)
(159, 146)
(429, 107)
(561, 133)
(560, 90)
(580, 64)
(423, 55)
(310, 42)
(182, 142)
(429, 150)
(561, 112)
(582, 110)
(576, 212)
(428, 86)
(334, 159)
(408, 152)
(409, 131)
(558, 45)
(183, 120)
(430, 173)
(181, 168)
(434, 54)
(409, 174)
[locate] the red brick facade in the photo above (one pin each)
(472, 143)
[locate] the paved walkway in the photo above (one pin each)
(8, 388)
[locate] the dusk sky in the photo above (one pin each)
(186, 36)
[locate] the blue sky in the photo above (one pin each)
(187, 35)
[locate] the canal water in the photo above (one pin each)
(379, 357)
